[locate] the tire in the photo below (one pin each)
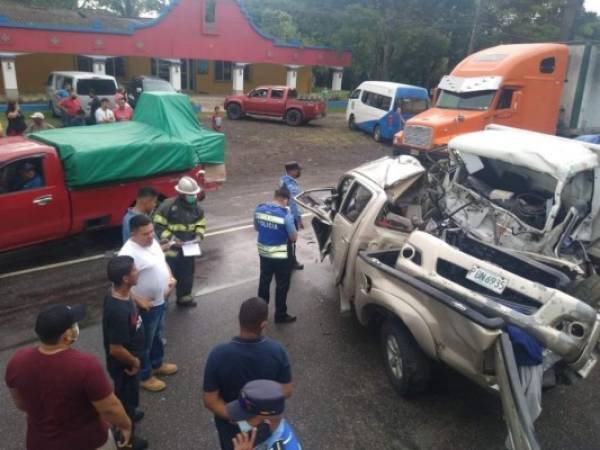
(587, 290)
(352, 123)
(407, 366)
(234, 111)
(294, 117)
(377, 133)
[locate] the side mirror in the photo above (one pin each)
(516, 100)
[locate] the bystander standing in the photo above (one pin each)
(104, 114)
(16, 120)
(124, 339)
(70, 107)
(38, 123)
(123, 112)
(64, 392)
(154, 284)
(144, 204)
(247, 357)
(94, 104)
(289, 181)
(217, 120)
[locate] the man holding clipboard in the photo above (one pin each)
(180, 222)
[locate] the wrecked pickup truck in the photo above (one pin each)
(437, 292)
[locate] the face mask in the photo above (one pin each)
(191, 199)
(263, 431)
(76, 330)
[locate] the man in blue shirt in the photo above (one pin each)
(144, 204)
(247, 357)
(276, 234)
(293, 171)
(259, 411)
(28, 177)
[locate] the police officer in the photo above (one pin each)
(276, 230)
(293, 171)
(259, 415)
(180, 219)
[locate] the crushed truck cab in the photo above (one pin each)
(437, 291)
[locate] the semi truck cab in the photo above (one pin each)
(517, 85)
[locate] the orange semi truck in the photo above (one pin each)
(551, 88)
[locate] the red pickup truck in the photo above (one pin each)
(275, 101)
(50, 210)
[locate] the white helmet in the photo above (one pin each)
(188, 186)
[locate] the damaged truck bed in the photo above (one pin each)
(442, 260)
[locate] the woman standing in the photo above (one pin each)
(16, 120)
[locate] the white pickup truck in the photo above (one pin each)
(412, 256)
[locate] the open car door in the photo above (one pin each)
(516, 414)
(319, 202)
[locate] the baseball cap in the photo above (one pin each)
(292, 165)
(38, 115)
(258, 398)
(53, 321)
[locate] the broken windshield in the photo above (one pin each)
(473, 101)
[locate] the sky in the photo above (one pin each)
(592, 5)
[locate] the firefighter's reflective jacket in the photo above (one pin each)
(175, 218)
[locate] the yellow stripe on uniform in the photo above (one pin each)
(160, 220)
(270, 218)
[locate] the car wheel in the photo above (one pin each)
(377, 133)
(352, 123)
(293, 117)
(407, 366)
(234, 111)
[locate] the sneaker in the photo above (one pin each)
(187, 301)
(137, 443)
(153, 384)
(285, 319)
(165, 369)
(138, 415)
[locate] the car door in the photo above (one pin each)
(346, 223)
(257, 100)
(516, 413)
(324, 203)
(276, 106)
(32, 215)
(353, 103)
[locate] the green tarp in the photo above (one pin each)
(173, 114)
(163, 137)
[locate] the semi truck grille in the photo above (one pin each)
(418, 136)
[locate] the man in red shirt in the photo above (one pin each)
(64, 392)
(70, 107)
(123, 112)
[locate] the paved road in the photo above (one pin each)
(343, 399)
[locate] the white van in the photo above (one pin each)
(105, 86)
(381, 107)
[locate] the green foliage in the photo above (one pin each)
(126, 8)
(414, 41)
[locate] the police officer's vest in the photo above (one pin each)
(272, 233)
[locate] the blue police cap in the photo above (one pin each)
(258, 398)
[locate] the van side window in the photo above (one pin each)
(365, 97)
(378, 101)
(547, 65)
(505, 99)
(356, 201)
(355, 94)
(22, 175)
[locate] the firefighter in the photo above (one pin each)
(180, 220)
(276, 231)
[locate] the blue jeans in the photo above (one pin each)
(152, 357)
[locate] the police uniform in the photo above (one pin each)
(263, 398)
(275, 225)
(176, 218)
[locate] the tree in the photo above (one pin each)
(126, 8)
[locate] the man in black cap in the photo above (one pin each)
(249, 356)
(293, 171)
(260, 407)
(65, 393)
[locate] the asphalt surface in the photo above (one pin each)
(342, 398)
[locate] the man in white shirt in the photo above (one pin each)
(104, 114)
(154, 284)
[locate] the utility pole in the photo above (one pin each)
(567, 27)
(475, 29)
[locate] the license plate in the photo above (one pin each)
(414, 152)
(487, 279)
